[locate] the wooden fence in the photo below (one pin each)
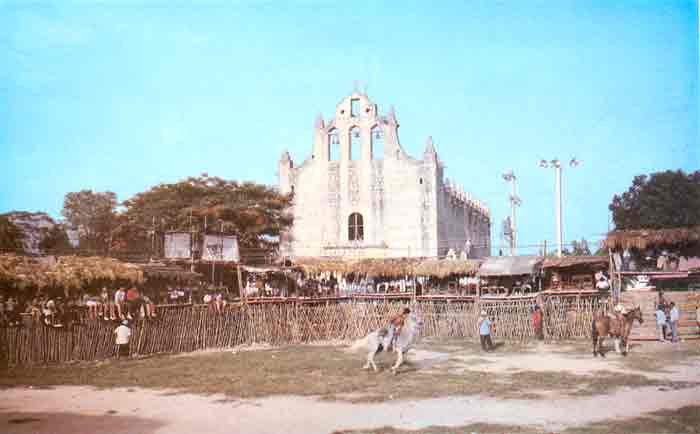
(189, 328)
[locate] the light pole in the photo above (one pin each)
(556, 165)
(515, 201)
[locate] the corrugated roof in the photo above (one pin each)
(510, 265)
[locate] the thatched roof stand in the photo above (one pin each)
(442, 268)
(64, 271)
(644, 238)
(388, 267)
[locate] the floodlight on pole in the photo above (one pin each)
(515, 201)
(556, 165)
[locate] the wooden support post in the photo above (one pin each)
(241, 289)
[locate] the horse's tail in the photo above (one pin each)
(360, 344)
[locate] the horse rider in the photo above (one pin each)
(395, 326)
(619, 312)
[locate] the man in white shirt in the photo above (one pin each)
(123, 333)
(119, 301)
(675, 315)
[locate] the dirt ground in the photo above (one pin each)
(447, 386)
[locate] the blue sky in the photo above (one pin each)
(123, 95)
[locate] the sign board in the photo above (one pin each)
(220, 248)
(177, 245)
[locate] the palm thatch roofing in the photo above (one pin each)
(64, 271)
(575, 261)
(442, 268)
(510, 265)
(169, 272)
(369, 266)
(644, 238)
(388, 267)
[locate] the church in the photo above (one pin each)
(360, 195)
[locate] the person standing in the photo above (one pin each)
(660, 323)
(674, 316)
(119, 299)
(537, 322)
(485, 332)
(123, 333)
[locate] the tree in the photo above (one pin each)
(247, 210)
(92, 214)
(55, 240)
(10, 235)
(661, 200)
(580, 248)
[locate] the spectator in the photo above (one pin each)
(123, 333)
(35, 310)
(697, 315)
(661, 323)
(3, 317)
(674, 316)
(485, 332)
(220, 302)
(537, 322)
(92, 303)
(132, 296)
(119, 299)
(107, 305)
(147, 307)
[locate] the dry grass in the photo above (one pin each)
(683, 420)
(328, 372)
(481, 428)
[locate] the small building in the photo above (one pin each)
(575, 273)
(510, 275)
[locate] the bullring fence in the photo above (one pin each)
(185, 328)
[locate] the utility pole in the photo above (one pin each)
(557, 166)
(515, 201)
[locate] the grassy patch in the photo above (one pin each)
(328, 372)
(683, 420)
(481, 428)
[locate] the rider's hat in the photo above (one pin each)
(483, 313)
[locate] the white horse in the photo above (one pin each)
(379, 339)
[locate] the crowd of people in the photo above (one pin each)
(27, 309)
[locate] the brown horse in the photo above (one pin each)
(604, 326)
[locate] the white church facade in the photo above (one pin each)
(359, 194)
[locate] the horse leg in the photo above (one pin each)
(399, 361)
(617, 345)
(601, 343)
(369, 361)
(625, 346)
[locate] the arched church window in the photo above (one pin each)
(356, 229)
(354, 141)
(334, 145)
(377, 143)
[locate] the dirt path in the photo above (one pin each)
(77, 409)
(184, 413)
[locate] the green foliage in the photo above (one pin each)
(247, 210)
(667, 199)
(93, 215)
(55, 240)
(580, 248)
(10, 235)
